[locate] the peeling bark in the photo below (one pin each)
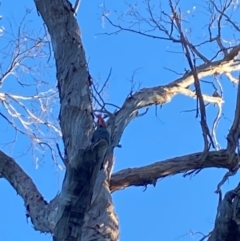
(84, 210)
(149, 174)
(76, 123)
(227, 219)
(77, 192)
(41, 213)
(160, 95)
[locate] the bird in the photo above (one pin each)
(101, 133)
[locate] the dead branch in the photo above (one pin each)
(163, 94)
(28, 115)
(232, 78)
(77, 113)
(148, 175)
(41, 213)
(145, 34)
(203, 116)
(215, 124)
(167, 26)
(225, 178)
(76, 6)
(98, 98)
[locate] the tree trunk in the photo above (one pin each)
(85, 209)
(227, 223)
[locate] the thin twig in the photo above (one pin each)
(76, 6)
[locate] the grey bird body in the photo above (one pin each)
(100, 134)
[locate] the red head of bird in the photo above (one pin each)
(100, 121)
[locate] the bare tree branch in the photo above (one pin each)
(42, 214)
(28, 115)
(163, 94)
(86, 184)
(143, 176)
(76, 6)
(232, 78)
(200, 101)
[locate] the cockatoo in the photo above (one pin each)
(101, 133)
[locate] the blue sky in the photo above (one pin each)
(177, 206)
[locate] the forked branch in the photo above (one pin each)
(200, 101)
(160, 95)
